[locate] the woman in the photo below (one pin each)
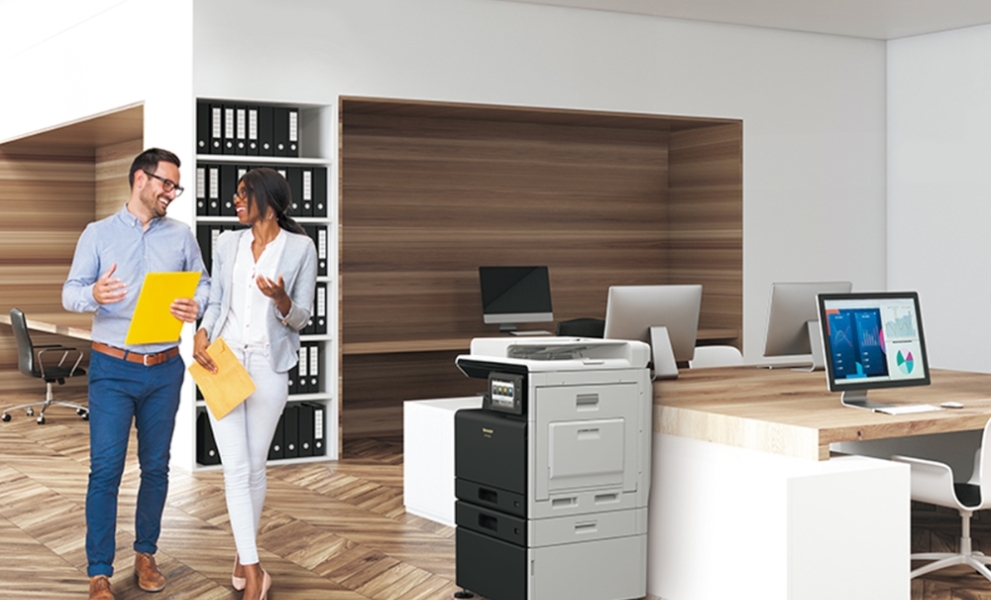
(262, 288)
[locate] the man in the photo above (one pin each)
(131, 382)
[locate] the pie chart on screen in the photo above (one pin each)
(905, 362)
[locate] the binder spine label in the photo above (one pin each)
(318, 424)
(307, 184)
(322, 243)
(229, 123)
(200, 182)
(216, 119)
(293, 126)
(214, 182)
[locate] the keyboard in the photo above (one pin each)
(907, 409)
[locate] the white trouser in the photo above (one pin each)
(243, 439)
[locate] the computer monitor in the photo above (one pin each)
(512, 295)
(631, 310)
(872, 341)
(790, 311)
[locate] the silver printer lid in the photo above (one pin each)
(561, 353)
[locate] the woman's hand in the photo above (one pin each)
(200, 344)
(276, 290)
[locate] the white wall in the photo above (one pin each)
(813, 106)
(939, 182)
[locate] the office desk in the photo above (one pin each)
(74, 325)
(744, 503)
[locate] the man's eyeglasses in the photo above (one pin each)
(167, 184)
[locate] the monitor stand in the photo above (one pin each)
(815, 343)
(662, 354)
(858, 399)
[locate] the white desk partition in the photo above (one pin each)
(428, 456)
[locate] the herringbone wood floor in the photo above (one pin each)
(334, 531)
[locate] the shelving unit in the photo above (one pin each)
(326, 342)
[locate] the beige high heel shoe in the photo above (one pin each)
(237, 583)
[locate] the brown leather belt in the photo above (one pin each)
(147, 360)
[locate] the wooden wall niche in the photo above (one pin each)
(431, 191)
(52, 184)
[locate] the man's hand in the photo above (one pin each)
(108, 289)
(185, 309)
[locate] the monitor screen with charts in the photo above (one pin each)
(871, 341)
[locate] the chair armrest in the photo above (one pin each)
(65, 350)
(932, 481)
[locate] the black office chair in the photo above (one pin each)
(584, 327)
(33, 362)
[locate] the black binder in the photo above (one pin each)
(205, 242)
(230, 129)
(305, 429)
(320, 309)
(253, 147)
(319, 191)
(303, 369)
(295, 177)
(319, 235)
(216, 129)
(306, 192)
(292, 380)
(291, 430)
(280, 131)
(228, 179)
(313, 384)
(213, 190)
(293, 132)
(266, 132)
(277, 449)
(202, 127)
(206, 445)
(201, 185)
(319, 429)
(240, 130)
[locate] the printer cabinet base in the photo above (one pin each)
(609, 569)
(490, 567)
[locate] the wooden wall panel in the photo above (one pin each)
(112, 164)
(705, 212)
(427, 201)
(431, 192)
(52, 185)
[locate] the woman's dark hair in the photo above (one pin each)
(148, 161)
(265, 188)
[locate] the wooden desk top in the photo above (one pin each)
(74, 325)
(793, 413)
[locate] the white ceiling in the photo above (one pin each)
(874, 19)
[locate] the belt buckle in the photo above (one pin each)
(144, 359)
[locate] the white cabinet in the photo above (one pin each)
(428, 456)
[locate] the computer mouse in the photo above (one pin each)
(951, 405)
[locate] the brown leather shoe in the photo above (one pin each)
(99, 588)
(150, 579)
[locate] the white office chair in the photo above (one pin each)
(715, 356)
(932, 482)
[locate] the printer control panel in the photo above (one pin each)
(505, 393)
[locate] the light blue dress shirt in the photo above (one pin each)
(167, 245)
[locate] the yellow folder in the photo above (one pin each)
(226, 388)
(152, 322)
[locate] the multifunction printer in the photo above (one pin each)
(552, 474)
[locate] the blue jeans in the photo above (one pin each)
(119, 392)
